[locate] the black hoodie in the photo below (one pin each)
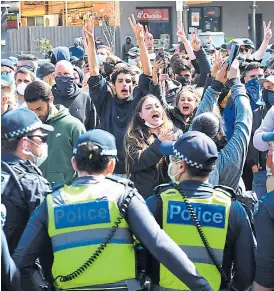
(79, 104)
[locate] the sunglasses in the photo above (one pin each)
(43, 137)
(26, 67)
(244, 50)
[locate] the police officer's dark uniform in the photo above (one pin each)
(78, 219)
(264, 226)
(10, 276)
(230, 237)
(22, 183)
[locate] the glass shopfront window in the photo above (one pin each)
(158, 22)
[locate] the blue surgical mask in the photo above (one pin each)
(101, 59)
(8, 77)
(254, 89)
(169, 172)
(65, 84)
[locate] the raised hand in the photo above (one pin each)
(88, 28)
(137, 28)
(148, 38)
(234, 71)
(217, 63)
(196, 42)
(181, 33)
(267, 31)
(221, 75)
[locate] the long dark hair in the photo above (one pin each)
(138, 135)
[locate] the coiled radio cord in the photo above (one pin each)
(90, 261)
(204, 240)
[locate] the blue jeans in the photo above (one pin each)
(259, 183)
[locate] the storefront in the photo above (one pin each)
(68, 13)
(158, 21)
(205, 19)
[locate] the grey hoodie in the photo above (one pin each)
(230, 162)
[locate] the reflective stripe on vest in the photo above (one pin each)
(200, 254)
(87, 237)
(79, 221)
(213, 215)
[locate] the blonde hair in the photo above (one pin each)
(196, 91)
(138, 136)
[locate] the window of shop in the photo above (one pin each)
(205, 19)
(158, 21)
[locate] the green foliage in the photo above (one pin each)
(228, 39)
(45, 44)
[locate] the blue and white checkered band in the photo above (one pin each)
(22, 131)
(189, 162)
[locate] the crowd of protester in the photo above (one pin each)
(151, 96)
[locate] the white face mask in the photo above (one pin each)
(44, 155)
(153, 126)
(21, 88)
(242, 57)
(172, 177)
(132, 62)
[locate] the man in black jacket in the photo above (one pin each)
(68, 94)
(115, 110)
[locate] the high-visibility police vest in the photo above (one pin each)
(213, 214)
(77, 225)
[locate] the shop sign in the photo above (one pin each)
(152, 14)
(12, 21)
(195, 19)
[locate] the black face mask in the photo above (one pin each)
(108, 68)
(65, 84)
(184, 81)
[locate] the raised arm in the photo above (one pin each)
(212, 93)
(88, 33)
(259, 54)
(231, 159)
(182, 36)
(139, 32)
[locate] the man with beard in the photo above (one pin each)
(57, 168)
(69, 94)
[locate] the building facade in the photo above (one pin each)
(230, 17)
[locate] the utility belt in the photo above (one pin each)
(128, 285)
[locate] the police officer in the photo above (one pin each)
(264, 222)
(23, 149)
(10, 276)
(200, 219)
(91, 224)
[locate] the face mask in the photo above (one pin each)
(254, 89)
(184, 81)
(270, 97)
(101, 59)
(8, 77)
(132, 62)
(44, 155)
(153, 126)
(172, 177)
(21, 88)
(65, 84)
(108, 68)
(242, 57)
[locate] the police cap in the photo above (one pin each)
(17, 123)
(195, 148)
(103, 139)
